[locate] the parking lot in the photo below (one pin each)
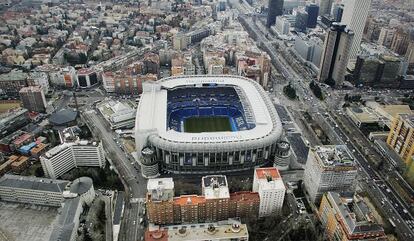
(21, 222)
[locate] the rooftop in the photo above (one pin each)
(63, 117)
(334, 156)
(81, 185)
(409, 118)
(35, 88)
(34, 183)
(152, 110)
(269, 173)
(215, 186)
(63, 230)
(189, 200)
(119, 205)
(354, 215)
(160, 188)
(269, 179)
(223, 230)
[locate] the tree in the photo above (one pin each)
(330, 82)
(290, 92)
(87, 236)
(39, 172)
(317, 91)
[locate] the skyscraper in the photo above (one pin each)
(275, 9)
(301, 20)
(335, 56)
(354, 17)
(325, 7)
(312, 9)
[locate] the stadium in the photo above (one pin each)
(207, 124)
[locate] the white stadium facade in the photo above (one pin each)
(170, 112)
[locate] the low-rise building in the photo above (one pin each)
(118, 114)
(20, 164)
(346, 217)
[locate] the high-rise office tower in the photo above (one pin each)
(335, 56)
(301, 20)
(337, 11)
(275, 9)
(312, 9)
(354, 17)
(325, 7)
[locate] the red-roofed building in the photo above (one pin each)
(156, 235)
(268, 183)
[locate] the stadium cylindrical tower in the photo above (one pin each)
(149, 163)
(282, 156)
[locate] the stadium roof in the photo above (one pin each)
(152, 111)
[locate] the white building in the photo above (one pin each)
(118, 114)
(67, 156)
(329, 168)
(70, 197)
(160, 189)
(282, 25)
(215, 187)
(310, 49)
(354, 17)
(268, 183)
(32, 190)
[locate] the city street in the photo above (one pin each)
(300, 81)
(133, 181)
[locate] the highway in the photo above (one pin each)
(393, 207)
(135, 184)
(300, 80)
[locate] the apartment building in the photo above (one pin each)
(329, 168)
(346, 216)
(268, 183)
(67, 156)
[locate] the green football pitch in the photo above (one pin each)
(206, 124)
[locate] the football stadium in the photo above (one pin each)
(207, 124)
